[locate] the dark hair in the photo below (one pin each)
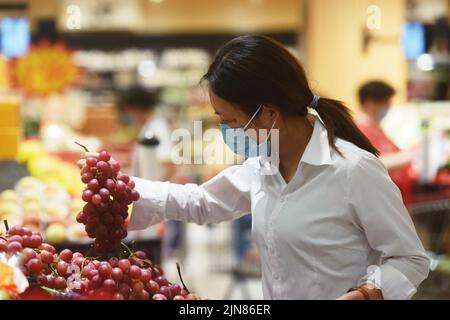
(138, 98)
(252, 70)
(376, 91)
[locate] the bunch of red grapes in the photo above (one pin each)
(108, 194)
(73, 276)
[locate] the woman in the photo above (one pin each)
(329, 223)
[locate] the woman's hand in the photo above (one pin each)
(374, 294)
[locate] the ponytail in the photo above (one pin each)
(339, 123)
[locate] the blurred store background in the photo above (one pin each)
(110, 73)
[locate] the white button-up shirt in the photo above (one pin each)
(339, 222)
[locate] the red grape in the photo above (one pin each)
(137, 286)
(48, 247)
(175, 290)
(165, 290)
(3, 245)
(143, 295)
(15, 238)
(87, 195)
(77, 255)
(123, 177)
(26, 241)
(120, 186)
(96, 282)
(91, 161)
(178, 298)
(46, 256)
(59, 283)
(109, 285)
(66, 255)
(105, 270)
(61, 268)
(50, 281)
(104, 193)
(35, 240)
(14, 247)
(42, 280)
(16, 230)
(81, 217)
(110, 185)
(140, 254)
(115, 166)
(118, 296)
(131, 184)
(107, 218)
(159, 296)
(134, 195)
(114, 262)
(124, 289)
(135, 272)
(29, 253)
(124, 264)
(152, 287)
(96, 199)
(93, 185)
(86, 177)
(92, 273)
(117, 274)
(104, 156)
(118, 220)
(103, 167)
(162, 281)
(146, 276)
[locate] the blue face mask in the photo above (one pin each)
(241, 144)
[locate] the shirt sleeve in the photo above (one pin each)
(380, 213)
(224, 197)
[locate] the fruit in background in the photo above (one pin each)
(29, 150)
(55, 233)
(55, 210)
(29, 183)
(32, 209)
(8, 196)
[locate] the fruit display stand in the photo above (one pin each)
(430, 212)
(107, 268)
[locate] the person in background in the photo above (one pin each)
(375, 98)
(139, 105)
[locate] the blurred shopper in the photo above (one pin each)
(140, 105)
(329, 222)
(376, 98)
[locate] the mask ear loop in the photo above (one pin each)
(253, 117)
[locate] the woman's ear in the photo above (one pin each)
(269, 114)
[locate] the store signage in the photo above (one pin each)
(45, 69)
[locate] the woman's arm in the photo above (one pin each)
(224, 197)
(380, 213)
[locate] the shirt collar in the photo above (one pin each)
(317, 151)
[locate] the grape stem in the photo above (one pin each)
(6, 225)
(181, 278)
(85, 149)
(128, 249)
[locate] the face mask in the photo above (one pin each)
(241, 144)
(382, 113)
